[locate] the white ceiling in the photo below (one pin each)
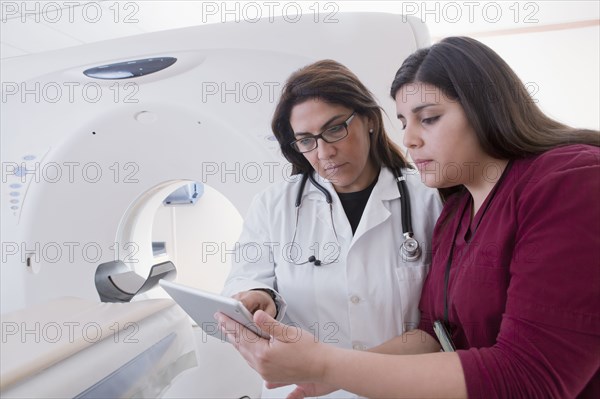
(39, 26)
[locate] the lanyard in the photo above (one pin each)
(453, 244)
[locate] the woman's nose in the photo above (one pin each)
(412, 138)
(325, 150)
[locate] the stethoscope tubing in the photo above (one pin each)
(405, 212)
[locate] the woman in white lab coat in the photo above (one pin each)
(335, 269)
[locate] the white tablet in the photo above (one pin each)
(202, 306)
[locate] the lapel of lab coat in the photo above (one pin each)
(324, 215)
(377, 209)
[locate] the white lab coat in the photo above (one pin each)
(370, 294)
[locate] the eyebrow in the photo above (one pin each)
(416, 109)
(325, 126)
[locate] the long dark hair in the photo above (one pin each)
(332, 82)
(506, 120)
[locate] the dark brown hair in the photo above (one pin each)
(333, 83)
(506, 120)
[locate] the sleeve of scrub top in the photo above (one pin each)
(253, 264)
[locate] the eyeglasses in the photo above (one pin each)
(329, 135)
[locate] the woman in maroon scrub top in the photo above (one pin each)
(515, 278)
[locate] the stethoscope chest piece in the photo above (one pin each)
(410, 250)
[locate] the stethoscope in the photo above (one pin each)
(410, 249)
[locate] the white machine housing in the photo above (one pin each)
(86, 163)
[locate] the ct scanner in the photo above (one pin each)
(88, 163)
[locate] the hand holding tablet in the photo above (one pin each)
(202, 305)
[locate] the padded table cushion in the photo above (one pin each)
(72, 347)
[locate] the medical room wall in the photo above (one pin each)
(560, 70)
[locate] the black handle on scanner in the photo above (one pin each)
(115, 282)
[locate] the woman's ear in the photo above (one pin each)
(370, 125)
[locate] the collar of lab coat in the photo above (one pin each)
(377, 210)
(386, 189)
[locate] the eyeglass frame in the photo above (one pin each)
(316, 138)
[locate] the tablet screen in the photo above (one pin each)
(202, 305)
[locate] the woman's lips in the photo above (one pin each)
(422, 163)
(332, 170)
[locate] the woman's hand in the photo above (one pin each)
(309, 390)
(306, 390)
(292, 355)
(254, 300)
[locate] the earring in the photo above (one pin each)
(370, 131)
